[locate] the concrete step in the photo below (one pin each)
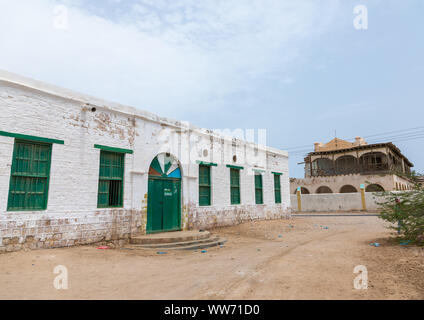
(170, 237)
(218, 242)
(177, 244)
(213, 242)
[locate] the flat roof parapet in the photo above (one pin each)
(91, 101)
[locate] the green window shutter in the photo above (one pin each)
(103, 197)
(277, 188)
(111, 179)
(29, 181)
(235, 185)
(258, 189)
(204, 185)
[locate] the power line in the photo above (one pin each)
(401, 138)
(409, 139)
(394, 138)
(397, 131)
(383, 136)
(304, 146)
(368, 136)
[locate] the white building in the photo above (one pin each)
(76, 169)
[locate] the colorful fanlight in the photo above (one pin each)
(165, 166)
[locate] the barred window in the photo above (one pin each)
(111, 180)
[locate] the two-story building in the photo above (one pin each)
(340, 166)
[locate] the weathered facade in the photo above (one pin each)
(76, 170)
(341, 167)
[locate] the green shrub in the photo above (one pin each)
(406, 210)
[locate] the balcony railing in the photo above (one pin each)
(360, 169)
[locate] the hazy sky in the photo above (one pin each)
(297, 68)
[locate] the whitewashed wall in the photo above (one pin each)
(72, 216)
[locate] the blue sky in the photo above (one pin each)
(297, 68)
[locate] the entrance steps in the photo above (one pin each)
(179, 240)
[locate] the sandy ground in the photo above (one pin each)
(284, 259)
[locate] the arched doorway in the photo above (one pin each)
(348, 189)
(164, 194)
(324, 189)
(322, 167)
(374, 188)
(346, 165)
(374, 161)
(303, 190)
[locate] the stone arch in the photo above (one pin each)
(324, 189)
(348, 189)
(322, 167)
(374, 161)
(346, 164)
(374, 188)
(303, 190)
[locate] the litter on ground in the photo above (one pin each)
(103, 247)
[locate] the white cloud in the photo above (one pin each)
(161, 55)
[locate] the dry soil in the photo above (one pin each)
(301, 258)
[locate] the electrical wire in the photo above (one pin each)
(389, 136)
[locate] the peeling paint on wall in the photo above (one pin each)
(72, 216)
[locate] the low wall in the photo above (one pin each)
(335, 202)
(34, 230)
(211, 217)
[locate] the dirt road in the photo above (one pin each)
(301, 258)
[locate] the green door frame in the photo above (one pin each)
(149, 213)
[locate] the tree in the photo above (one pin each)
(406, 210)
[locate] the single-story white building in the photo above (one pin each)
(76, 169)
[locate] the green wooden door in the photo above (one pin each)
(171, 205)
(164, 205)
(155, 205)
